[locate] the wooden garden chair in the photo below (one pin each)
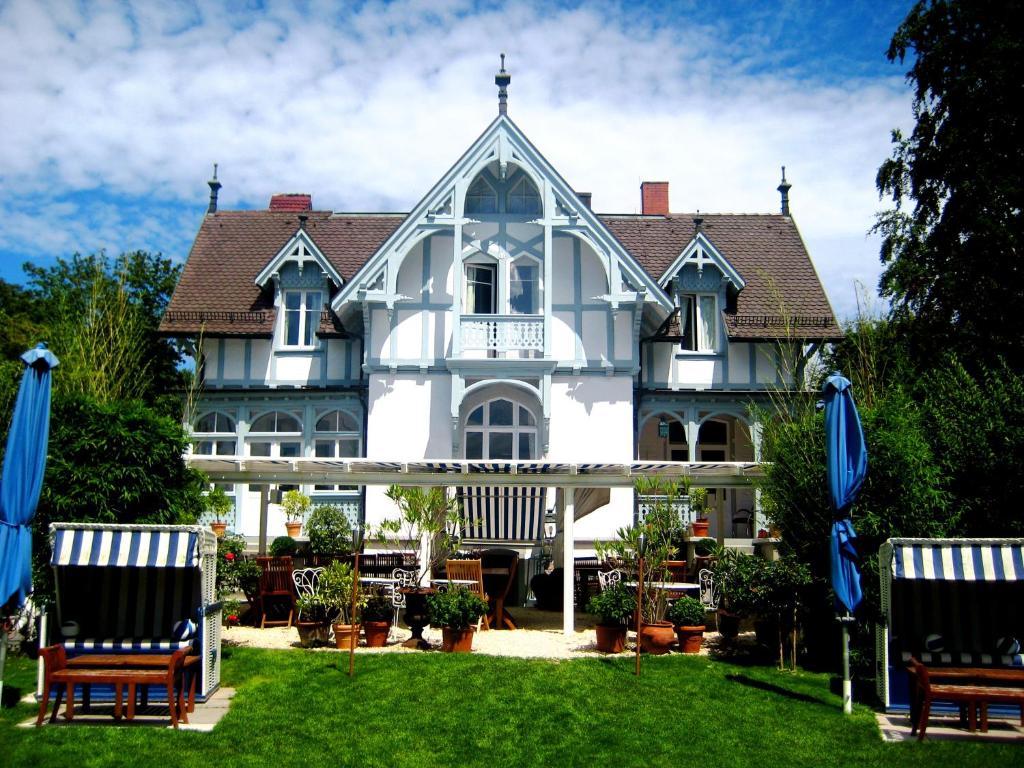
(469, 570)
(276, 586)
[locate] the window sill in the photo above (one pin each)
(295, 350)
(688, 354)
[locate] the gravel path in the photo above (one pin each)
(539, 636)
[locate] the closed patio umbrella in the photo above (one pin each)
(847, 459)
(22, 481)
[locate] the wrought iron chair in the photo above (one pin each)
(402, 579)
(307, 582)
(276, 585)
(742, 519)
(470, 570)
(709, 592)
(606, 578)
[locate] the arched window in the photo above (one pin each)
(524, 198)
(276, 434)
(480, 197)
(214, 435)
(713, 440)
(501, 430)
(337, 436)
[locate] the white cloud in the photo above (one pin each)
(365, 109)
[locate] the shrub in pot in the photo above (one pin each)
(329, 530)
(376, 617)
(456, 611)
(615, 607)
(296, 506)
(335, 588)
(313, 622)
(687, 616)
(283, 546)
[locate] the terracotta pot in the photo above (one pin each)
(313, 633)
(611, 638)
(657, 638)
(294, 527)
(690, 638)
(376, 633)
(343, 634)
(700, 528)
(219, 528)
(457, 640)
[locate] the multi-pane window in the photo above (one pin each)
(480, 198)
(337, 436)
(214, 435)
(275, 435)
(301, 317)
(698, 322)
(481, 289)
(501, 430)
(523, 198)
(524, 287)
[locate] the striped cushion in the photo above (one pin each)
(89, 644)
(963, 659)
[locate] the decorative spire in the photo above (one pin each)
(214, 189)
(784, 188)
(502, 79)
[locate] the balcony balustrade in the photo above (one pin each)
(503, 333)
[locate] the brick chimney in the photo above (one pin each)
(585, 198)
(291, 202)
(654, 198)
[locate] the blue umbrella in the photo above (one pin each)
(847, 467)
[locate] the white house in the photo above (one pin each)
(500, 319)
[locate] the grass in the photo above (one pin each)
(432, 709)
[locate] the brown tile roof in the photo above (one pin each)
(766, 249)
(217, 291)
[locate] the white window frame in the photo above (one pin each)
(693, 313)
(335, 437)
(534, 263)
(532, 193)
(276, 438)
(494, 268)
(486, 429)
(307, 338)
(217, 438)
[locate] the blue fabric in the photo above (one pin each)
(22, 479)
(847, 461)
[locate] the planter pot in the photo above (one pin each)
(657, 638)
(343, 635)
(376, 633)
(457, 640)
(728, 625)
(219, 528)
(294, 527)
(313, 633)
(611, 638)
(415, 616)
(690, 638)
(700, 528)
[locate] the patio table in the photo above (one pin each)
(681, 587)
(136, 661)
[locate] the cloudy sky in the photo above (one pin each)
(113, 113)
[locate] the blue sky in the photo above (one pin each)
(113, 113)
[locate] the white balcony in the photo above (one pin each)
(503, 335)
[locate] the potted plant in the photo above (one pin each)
(218, 505)
(335, 588)
(615, 607)
(314, 619)
(283, 546)
(701, 525)
(235, 574)
(687, 616)
(296, 506)
(376, 617)
(330, 533)
(456, 611)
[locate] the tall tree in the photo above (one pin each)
(952, 242)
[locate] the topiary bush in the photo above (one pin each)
(329, 530)
(283, 546)
(455, 608)
(686, 612)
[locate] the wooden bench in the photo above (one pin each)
(57, 672)
(970, 694)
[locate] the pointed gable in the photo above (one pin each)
(299, 250)
(699, 253)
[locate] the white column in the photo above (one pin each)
(568, 559)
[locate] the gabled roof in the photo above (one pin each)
(217, 292)
(783, 294)
(308, 248)
(700, 251)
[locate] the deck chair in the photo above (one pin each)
(276, 587)
(470, 570)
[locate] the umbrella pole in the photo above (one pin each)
(352, 617)
(847, 685)
(639, 609)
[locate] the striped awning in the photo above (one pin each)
(149, 547)
(503, 513)
(958, 559)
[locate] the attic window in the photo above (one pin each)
(480, 198)
(523, 198)
(301, 317)
(698, 322)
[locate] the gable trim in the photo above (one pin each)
(284, 255)
(701, 241)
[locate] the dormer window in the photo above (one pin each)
(481, 198)
(698, 322)
(301, 317)
(523, 198)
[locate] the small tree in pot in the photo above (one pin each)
(330, 533)
(687, 615)
(296, 506)
(335, 587)
(376, 619)
(456, 611)
(615, 607)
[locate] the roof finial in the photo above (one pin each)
(214, 189)
(784, 188)
(502, 79)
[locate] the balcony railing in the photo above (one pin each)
(679, 506)
(503, 333)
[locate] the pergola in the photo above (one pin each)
(566, 476)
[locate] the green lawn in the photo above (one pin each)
(433, 709)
